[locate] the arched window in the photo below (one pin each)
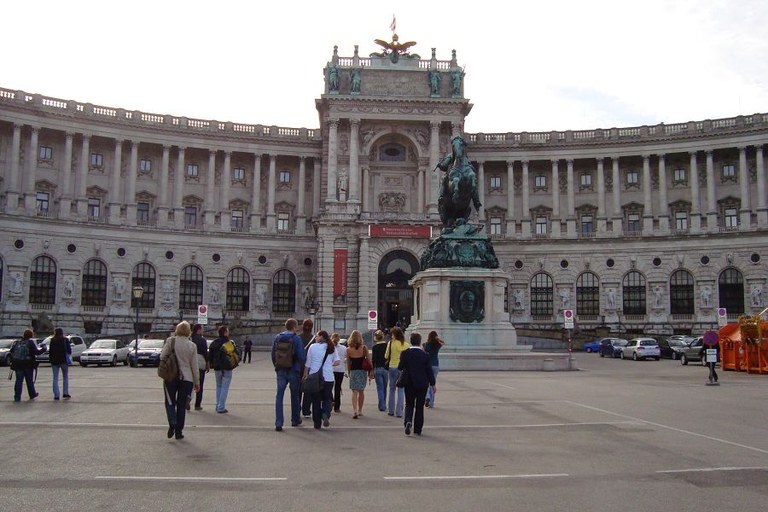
(730, 287)
(94, 290)
(42, 286)
(190, 287)
(144, 276)
(588, 294)
(681, 293)
(541, 295)
(238, 290)
(284, 292)
(633, 293)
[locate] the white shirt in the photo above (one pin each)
(315, 357)
(341, 351)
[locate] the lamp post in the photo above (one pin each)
(138, 293)
(311, 305)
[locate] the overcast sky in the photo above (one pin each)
(530, 66)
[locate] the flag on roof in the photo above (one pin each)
(393, 25)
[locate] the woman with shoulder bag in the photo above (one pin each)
(396, 346)
(357, 356)
(321, 357)
(178, 392)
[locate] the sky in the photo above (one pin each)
(530, 66)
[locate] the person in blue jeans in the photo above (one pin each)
(25, 365)
(59, 348)
(289, 376)
(380, 370)
(223, 377)
(432, 347)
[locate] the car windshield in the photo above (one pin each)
(6, 343)
(621, 343)
(103, 344)
(648, 342)
(151, 344)
(676, 343)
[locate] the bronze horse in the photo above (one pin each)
(459, 188)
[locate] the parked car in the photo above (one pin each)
(105, 351)
(692, 351)
(148, 353)
(672, 347)
(591, 346)
(611, 347)
(5, 351)
(641, 348)
(78, 347)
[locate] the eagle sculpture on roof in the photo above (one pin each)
(394, 49)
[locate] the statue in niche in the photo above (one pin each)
(434, 83)
(307, 297)
(333, 78)
(168, 291)
(261, 296)
(611, 298)
(343, 180)
(757, 295)
(456, 82)
(215, 294)
(706, 297)
(119, 286)
(565, 298)
(518, 296)
(658, 296)
(69, 288)
(17, 284)
(355, 80)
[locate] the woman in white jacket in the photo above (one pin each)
(178, 392)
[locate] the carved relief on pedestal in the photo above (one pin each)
(392, 201)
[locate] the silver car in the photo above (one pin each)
(641, 348)
(105, 351)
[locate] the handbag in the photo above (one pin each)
(168, 368)
(402, 378)
(366, 362)
(314, 381)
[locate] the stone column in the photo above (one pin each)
(647, 202)
(354, 161)
(317, 187)
(13, 190)
(364, 199)
(762, 209)
(711, 194)
(745, 213)
(663, 202)
(367, 298)
(420, 190)
(210, 187)
(511, 230)
(555, 221)
(82, 178)
(616, 215)
(178, 200)
(271, 186)
(226, 184)
(434, 175)
(526, 217)
(301, 218)
(133, 171)
(164, 206)
(256, 196)
(695, 203)
(570, 215)
(30, 193)
(65, 199)
(114, 187)
(481, 189)
(333, 156)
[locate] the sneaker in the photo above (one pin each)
(170, 432)
(223, 411)
(34, 396)
(391, 413)
(179, 435)
(67, 397)
(198, 408)
(55, 398)
(326, 421)
(298, 423)
(307, 415)
(408, 428)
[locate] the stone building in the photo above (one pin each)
(643, 229)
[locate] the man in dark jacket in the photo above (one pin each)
(418, 377)
(203, 362)
(58, 349)
(23, 354)
(289, 376)
(223, 375)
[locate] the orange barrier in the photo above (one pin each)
(744, 352)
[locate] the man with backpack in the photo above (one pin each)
(224, 357)
(23, 362)
(288, 357)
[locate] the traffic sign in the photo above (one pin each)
(373, 319)
(710, 338)
(202, 314)
(568, 317)
(722, 317)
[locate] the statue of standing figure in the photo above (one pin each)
(456, 82)
(434, 83)
(355, 80)
(333, 78)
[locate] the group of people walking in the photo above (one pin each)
(406, 369)
(23, 361)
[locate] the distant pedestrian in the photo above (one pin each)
(338, 371)
(247, 345)
(396, 346)
(203, 362)
(216, 353)
(288, 375)
(23, 362)
(418, 371)
(321, 357)
(380, 369)
(58, 350)
(357, 353)
(432, 347)
(307, 336)
(177, 392)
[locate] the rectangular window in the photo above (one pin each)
(731, 218)
(679, 175)
(237, 220)
(283, 222)
(285, 176)
(94, 207)
(681, 221)
(97, 160)
(142, 213)
(190, 216)
(43, 202)
(633, 178)
(45, 153)
(541, 225)
(729, 171)
(145, 166)
(633, 222)
(193, 170)
(540, 181)
(495, 182)
(238, 174)
(586, 180)
(587, 225)
(495, 225)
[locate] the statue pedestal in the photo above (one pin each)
(466, 308)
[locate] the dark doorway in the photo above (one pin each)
(395, 298)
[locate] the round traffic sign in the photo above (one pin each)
(372, 314)
(568, 313)
(710, 338)
(201, 310)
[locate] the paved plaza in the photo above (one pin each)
(616, 435)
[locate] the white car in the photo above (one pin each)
(105, 351)
(76, 341)
(5, 351)
(641, 348)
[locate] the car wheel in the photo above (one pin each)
(634, 356)
(83, 364)
(132, 364)
(114, 360)
(674, 356)
(125, 362)
(683, 359)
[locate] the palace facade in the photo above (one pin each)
(643, 229)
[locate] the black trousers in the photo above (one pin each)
(414, 407)
(338, 379)
(246, 353)
(176, 394)
(199, 394)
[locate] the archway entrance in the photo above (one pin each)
(395, 298)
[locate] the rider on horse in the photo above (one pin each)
(459, 188)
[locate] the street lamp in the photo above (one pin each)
(311, 305)
(138, 293)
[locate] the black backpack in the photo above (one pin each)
(284, 352)
(20, 354)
